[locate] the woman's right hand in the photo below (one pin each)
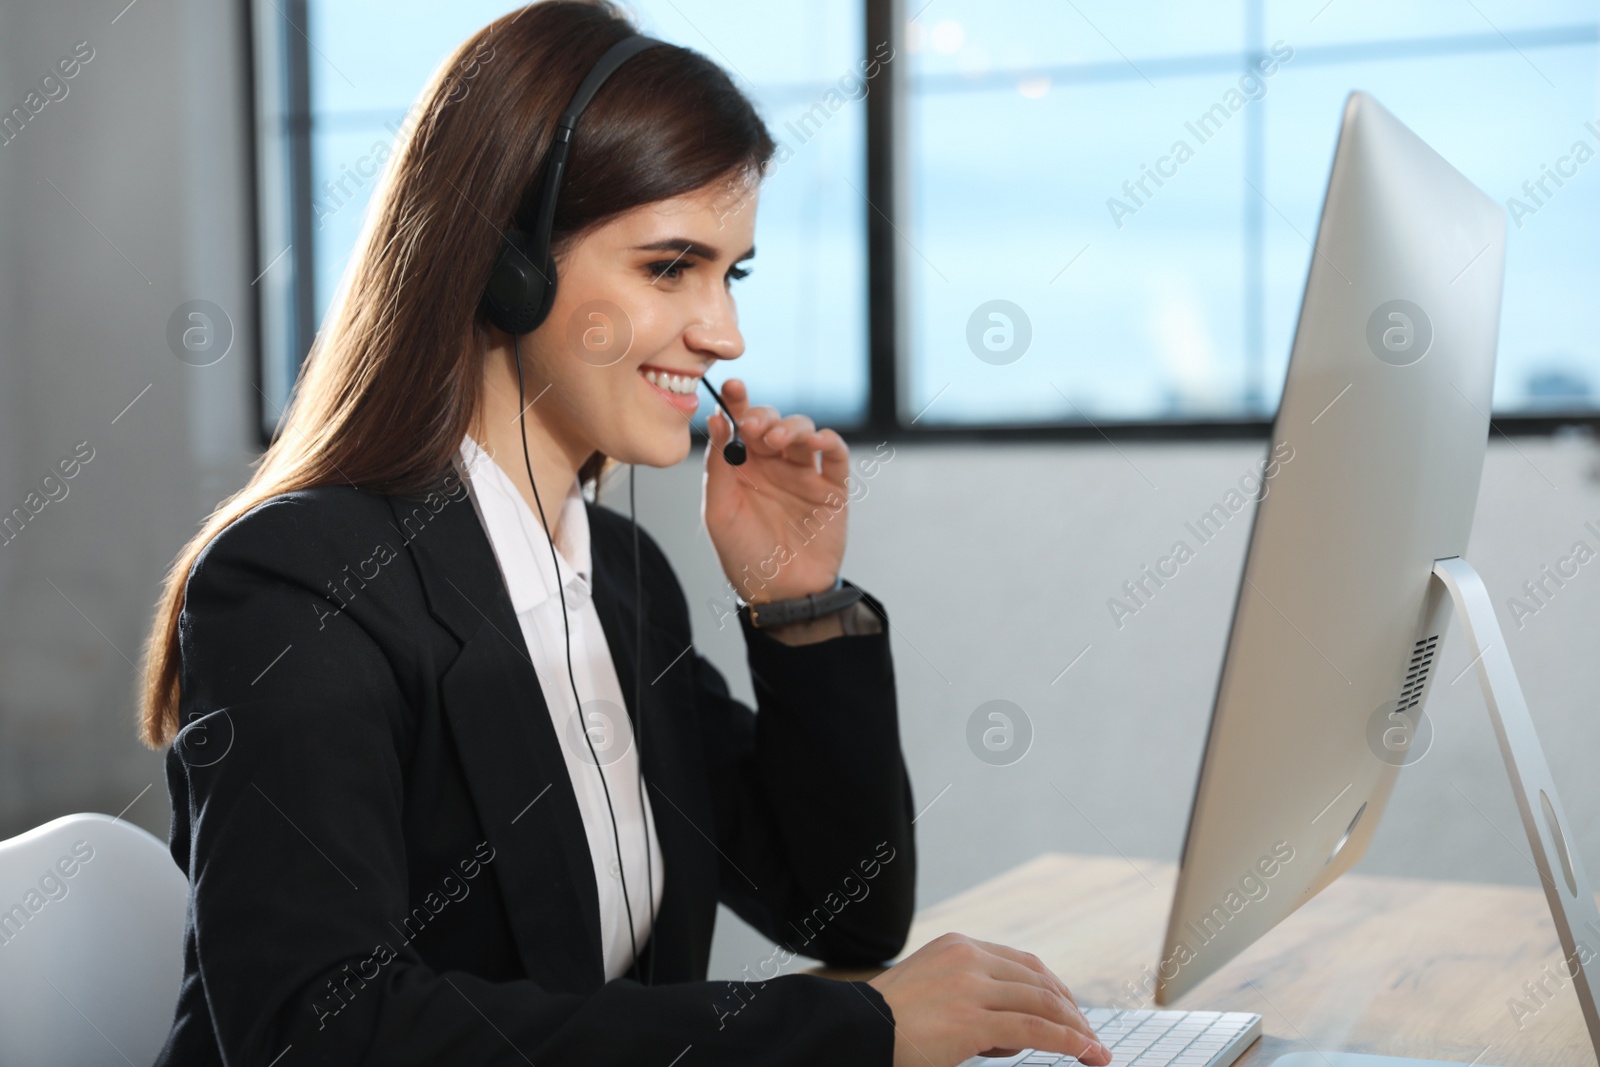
(957, 997)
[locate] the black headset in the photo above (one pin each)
(520, 291)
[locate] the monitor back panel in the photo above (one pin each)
(1378, 451)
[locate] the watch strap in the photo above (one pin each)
(805, 608)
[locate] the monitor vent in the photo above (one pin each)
(1417, 672)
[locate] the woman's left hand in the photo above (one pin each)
(778, 520)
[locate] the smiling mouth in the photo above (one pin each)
(681, 384)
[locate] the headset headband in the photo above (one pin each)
(561, 145)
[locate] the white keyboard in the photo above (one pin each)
(1153, 1039)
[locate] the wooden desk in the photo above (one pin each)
(1391, 966)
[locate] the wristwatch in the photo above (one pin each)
(805, 608)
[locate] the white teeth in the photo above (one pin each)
(672, 383)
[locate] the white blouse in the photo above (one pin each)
(523, 552)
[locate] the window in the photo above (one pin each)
(1021, 152)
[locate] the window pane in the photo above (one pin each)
(1029, 145)
(802, 311)
(1141, 321)
(1144, 213)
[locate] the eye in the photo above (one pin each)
(670, 269)
(736, 273)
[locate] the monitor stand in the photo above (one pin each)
(1566, 887)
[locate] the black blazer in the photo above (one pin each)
(385, 855)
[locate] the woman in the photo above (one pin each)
(404, 843)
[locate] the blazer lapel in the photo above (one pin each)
(507, 743)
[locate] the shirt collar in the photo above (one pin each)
(517, 538)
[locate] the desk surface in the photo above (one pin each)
(1390, 966)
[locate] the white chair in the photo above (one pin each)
(91, 944)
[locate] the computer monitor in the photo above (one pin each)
(1376, 456)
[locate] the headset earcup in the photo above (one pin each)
(547, 292)
(520, 289)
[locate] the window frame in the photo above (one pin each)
(887, 164)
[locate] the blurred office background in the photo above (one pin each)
(224, 153)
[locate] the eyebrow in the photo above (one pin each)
(685, 247)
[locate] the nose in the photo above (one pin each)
(715, 334)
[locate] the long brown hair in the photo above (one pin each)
(392, 383)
